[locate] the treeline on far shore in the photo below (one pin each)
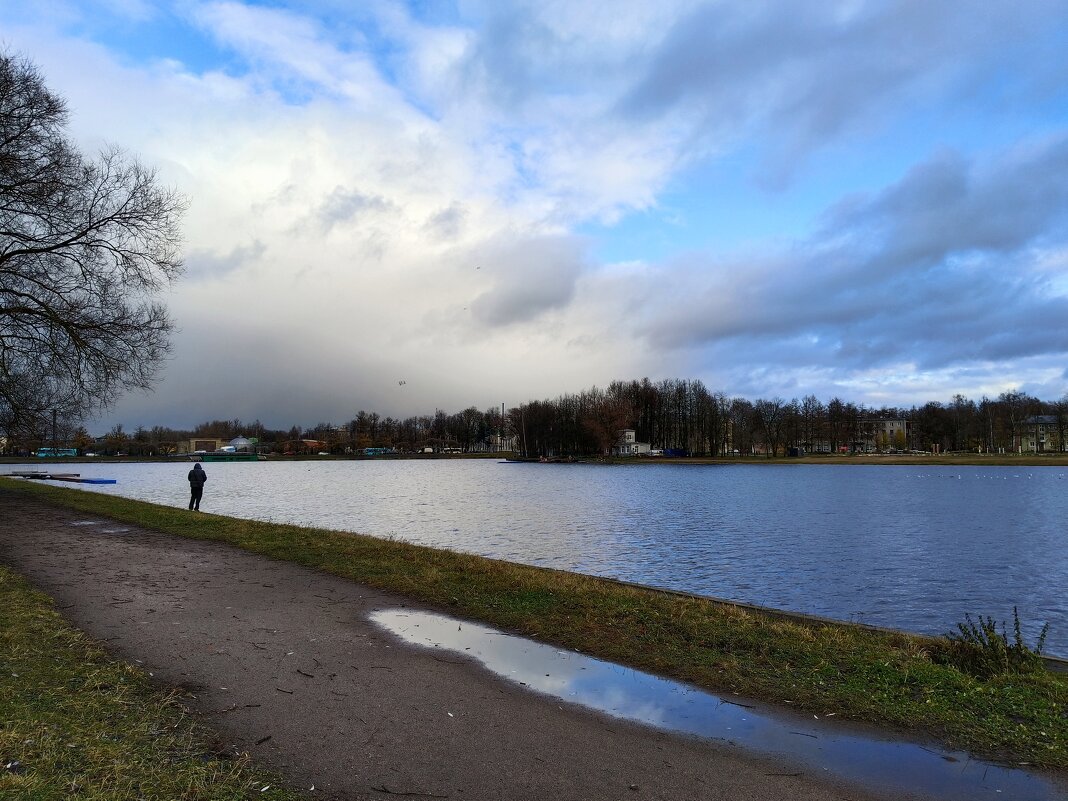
(677, 415)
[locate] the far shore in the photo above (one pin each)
(915, 459)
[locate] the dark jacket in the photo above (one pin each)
(197, 477)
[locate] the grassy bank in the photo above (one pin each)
(75, 723)
(894, 680)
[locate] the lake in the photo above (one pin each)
(908, 547)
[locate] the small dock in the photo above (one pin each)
(74, 478)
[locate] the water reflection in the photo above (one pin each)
(816, 745)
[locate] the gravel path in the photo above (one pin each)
(282, 662)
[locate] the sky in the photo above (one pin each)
(403, 206)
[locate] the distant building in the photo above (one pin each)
(206, 444)
(890, 433)
(303, 446)
(494, 443)
(1041, 434)
(628, 445)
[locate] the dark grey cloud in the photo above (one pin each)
(447, 224)
(530, 276)
(344, 205)
(805, 73)
(521, 55)
(218, 371)
(939, 270)
(502, 62)
(950, 205)
(203, 265)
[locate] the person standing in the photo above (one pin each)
(197, 477)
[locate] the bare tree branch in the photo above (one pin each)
(85, 245)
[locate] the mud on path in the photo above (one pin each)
(282, 663)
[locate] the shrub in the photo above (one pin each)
(981, 650)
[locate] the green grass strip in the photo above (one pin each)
(889, 679)
(75, 723)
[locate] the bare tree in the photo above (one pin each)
(813, 419)
(465, 427)
(1017, 406)
(771, 416)
(742, 425)
(85, 247)
(605, 415)
(964, 414)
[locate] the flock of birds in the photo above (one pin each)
(958, 476)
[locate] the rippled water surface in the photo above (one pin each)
(901, 546)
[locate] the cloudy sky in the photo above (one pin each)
(494, 201)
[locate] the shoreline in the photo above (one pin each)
(1054, 664)
(957, 459)
(300, 674)
(894, 680)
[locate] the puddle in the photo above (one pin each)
(118, 530)
(816, 745)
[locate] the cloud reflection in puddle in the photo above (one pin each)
(816, 744)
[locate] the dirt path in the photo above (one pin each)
(271, 650)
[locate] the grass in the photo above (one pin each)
(75, 723)
(896, 680)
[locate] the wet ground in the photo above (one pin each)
(289, 665)
(816, 743)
